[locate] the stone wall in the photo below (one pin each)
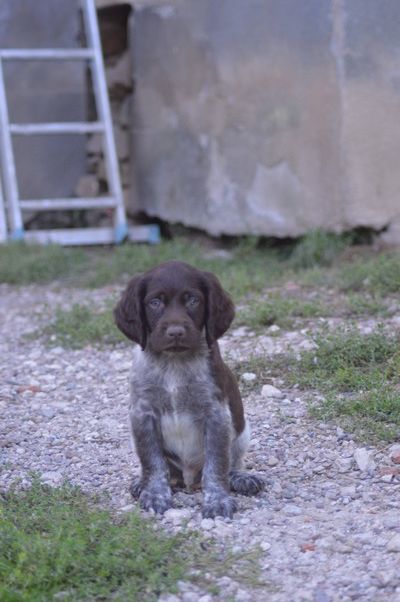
(267, 117)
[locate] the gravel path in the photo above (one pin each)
(328, 524)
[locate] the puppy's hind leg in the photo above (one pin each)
(135, 488)
(240, 481)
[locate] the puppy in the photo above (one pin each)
(186, 412)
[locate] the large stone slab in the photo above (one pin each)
(264, 117)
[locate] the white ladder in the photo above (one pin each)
(15, 205)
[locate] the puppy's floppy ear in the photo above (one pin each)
(220, 310)
(129, 312)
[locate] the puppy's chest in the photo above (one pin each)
(187, 391)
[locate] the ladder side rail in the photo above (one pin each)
(3, 221)
(8, 165)
(103, 108)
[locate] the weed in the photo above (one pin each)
(318, 248)
(373, 415)
(379, 275)
(279, 310)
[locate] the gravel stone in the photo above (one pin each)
(364, 459)
(271, 391)
(394, 544)
(248, 377)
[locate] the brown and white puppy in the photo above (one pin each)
(186, 412)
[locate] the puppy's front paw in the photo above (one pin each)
(220, 504)
(245, 483)
(157, 499)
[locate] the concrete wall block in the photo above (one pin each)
(267, 117)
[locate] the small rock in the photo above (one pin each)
(120, 75)
(321, 596)
(292, 509)
(127, 508)
(190, 597)
(219, 254)
(364, 459)
(240, 332)
(274, 329)
(52, 477)
(265, 546)
(344, 464)
(395, 454)
(177, 515)
(242, 596)
(272, 461)
(394, 543)
(48, 412)
(387, 478)
(168, 598)
(348, 491)
(94, 145)
(271, 391)
(87, 187)
(248, 376)
(207, 524)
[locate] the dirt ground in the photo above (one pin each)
(327, 526)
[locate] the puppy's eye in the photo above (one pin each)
(192, 301)
(155, 303)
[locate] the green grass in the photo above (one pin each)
(349, 361)
(374, 415)
(27, 264)
(59, 544)
(379, 274)
(247, 271)
(364, 304)
(81, 326)
(359, 377)
(279, 310)
(54, 544)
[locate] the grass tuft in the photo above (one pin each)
(81, 326)
(359, 376)
(279, 310)
(21, 263)
(378, 275)
(318, 248)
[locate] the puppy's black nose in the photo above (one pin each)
(175, 331)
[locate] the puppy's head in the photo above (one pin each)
(171, 307)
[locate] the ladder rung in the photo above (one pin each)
(59, 204)
(27, 129)
(33, 54)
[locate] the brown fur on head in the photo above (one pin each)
(169, 306)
